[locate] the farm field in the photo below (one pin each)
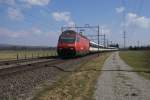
(139, 60)
(22, 54)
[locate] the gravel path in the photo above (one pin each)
(120, 85)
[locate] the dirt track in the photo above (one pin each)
(121, 85)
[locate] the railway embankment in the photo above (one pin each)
(76, 84)
(26, 82)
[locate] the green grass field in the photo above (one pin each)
(139, 60)
(12, 54)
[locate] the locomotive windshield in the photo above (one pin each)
(68, 36)
(69, 32)
(67, 39)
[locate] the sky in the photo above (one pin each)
(39, 22)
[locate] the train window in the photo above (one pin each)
(67, 39)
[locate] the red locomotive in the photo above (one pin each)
(71, 43)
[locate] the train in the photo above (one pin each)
(72, 43)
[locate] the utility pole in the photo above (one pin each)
(107, 43)
(98, 36)
(124, 38)
(111, 43)
(124, 26)
(62, 29)
(104, 40)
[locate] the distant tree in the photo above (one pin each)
(130, 48)
(117, 45)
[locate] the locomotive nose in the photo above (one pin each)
(66, 52)
(66, 45)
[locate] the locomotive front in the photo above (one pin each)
(66, 44)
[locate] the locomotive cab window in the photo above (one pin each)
(69, 32)
(67, 39)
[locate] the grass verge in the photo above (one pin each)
(75, 85)
(12, 54)
(139, 60)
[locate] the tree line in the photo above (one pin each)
(10, 47)
(139, 47)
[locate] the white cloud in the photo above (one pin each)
(15, 7)
(8, 2)
(15, 14)
(71, 23)
(9, 33)
(120, 9)
(138, 21)
(19, 33)
(36, 2)
(105, 30)
(63, 16)
(33, 31)
(31, 36)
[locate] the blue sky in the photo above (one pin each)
(38, 22)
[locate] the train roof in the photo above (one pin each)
(112, 47)
(91, 42)
(73, 32)
(69, 32)
(94, 43)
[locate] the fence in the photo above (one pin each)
(25, 54)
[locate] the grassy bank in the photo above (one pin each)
(12, 54)
(76, 85)
(139, 60)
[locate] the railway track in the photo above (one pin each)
(9, 62)
(13, 66)
(9, 67)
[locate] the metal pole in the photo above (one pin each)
(107, 43)
(98, 38)
(124, 38)
(104, 40)
(38, 55)
(25, 56)
(62, 29)
(17, 56)
(32, 55)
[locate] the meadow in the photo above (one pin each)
(25, 54)
(139, 60)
